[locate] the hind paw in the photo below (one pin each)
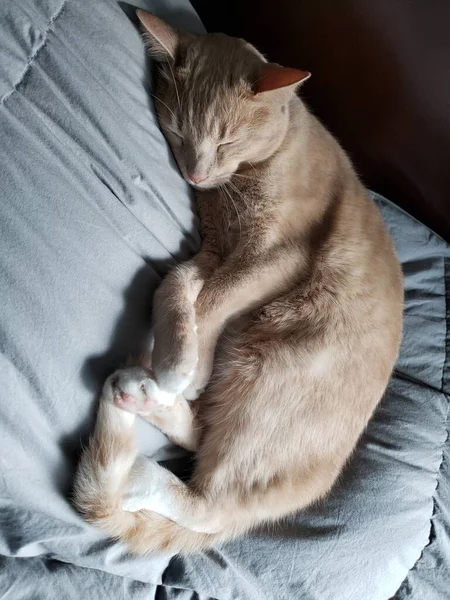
(134, 391)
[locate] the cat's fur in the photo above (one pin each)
(298, 278)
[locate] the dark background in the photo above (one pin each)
(380, 82)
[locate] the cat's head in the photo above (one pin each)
(220, 104)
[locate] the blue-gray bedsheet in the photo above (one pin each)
(92, 213)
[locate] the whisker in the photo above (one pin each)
(225, 196)
(175, 84)
(162, 102)
(237, 190)
(253, 167)
(243, 176)
(235, 209)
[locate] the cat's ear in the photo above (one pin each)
(280, 80)
(161, 38)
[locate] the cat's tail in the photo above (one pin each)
(99, 483)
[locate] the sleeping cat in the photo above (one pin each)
(285, 326)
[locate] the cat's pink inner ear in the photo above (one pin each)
(161, 37)
(275, 77)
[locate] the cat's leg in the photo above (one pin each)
(177, 422)
(106, 463)
(136, 392)
(240, 284)
(149, 486)
(113, 477)
(175, 352)
(152, 487)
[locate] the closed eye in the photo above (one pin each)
(222, 144)
(176, 134)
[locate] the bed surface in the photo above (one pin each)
(93, 213)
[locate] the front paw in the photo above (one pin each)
(134, 391)
(175, 356)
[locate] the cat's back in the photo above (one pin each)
(325, 201)
(354, 289)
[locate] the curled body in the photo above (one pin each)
(275, 343)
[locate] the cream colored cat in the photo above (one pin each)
(293, 305)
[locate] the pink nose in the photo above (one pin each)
(195, 178)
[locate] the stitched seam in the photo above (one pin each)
(35, 53)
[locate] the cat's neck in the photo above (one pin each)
(292, 186)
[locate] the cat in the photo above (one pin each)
(275, 343)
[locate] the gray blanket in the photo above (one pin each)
(92, 213)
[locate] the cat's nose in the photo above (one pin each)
(195, 178)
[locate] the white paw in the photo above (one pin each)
(174, 380)
(135, 391)
(192, 393)
(175, 356)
